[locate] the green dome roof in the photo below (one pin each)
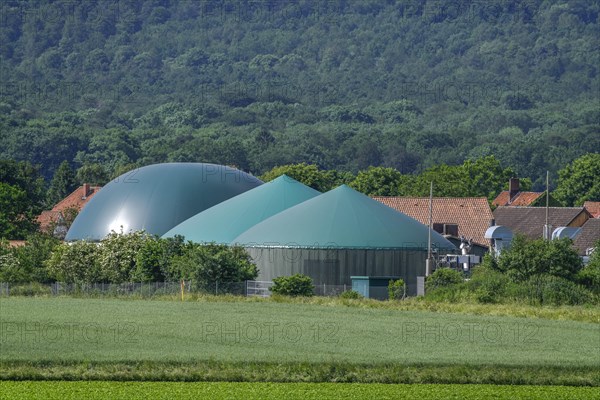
(157, 197)
(225, 221)
(341, 218)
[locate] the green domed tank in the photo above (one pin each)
(157, 198)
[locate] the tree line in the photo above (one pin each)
(342, 85)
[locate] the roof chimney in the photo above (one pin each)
(513, 187)
(86, 190)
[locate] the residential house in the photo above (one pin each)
(451, 216)
(514, 197)
(66, 209)
(530, 221)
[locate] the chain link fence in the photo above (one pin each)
(127, 289)
(153, 289)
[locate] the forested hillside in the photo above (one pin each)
(340, 84)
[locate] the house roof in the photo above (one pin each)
(16, 243)
(77, 199)
(589, 235)
(341, 218)
(225, 221)
(520, 199)
(593, 207)
(472, 214)
(530, 220)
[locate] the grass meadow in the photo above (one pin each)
(114, 339)
(228, 390)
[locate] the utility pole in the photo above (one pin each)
(429, 261)
(547, 233)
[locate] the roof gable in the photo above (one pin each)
(520, 199)
(530, 221)
(593, 207)
(472, 214)
(589, 235)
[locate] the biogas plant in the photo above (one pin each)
(285, 226)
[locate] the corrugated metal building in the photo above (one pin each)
(340, 234)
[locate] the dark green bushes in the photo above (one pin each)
(443, 277)
(351, 294)
(295, 285)
(397, 290)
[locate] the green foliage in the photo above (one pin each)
(578, 181)
(62, 184)
(552, 290)
(30, 289)
(132, 88)
(589, 275)
(33, 255)
(396, 289)
(21, 198)
(489, 285)
(11, 270)
(294, 285)
(13, 201)
(118, 255)
(443, 277)
(94, 174)
(351, 294)
(97, 390)
(210, 264)
(152, 261)
(526, 258)
(310, 175)
(76, 262)
(378, 181)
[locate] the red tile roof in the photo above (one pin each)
(77, 200)
(472, 214)
(520, 199)
(593, 208)
(16, 243)
(589, 235)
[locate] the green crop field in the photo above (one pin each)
(228, 390)
(68, 338)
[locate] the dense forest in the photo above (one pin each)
(343, 85)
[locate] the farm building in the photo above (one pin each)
(339, 234)
(157, 198)
(225, 221)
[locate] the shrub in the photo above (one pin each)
(351, 294)
(75, 262)
(488, 285)
(589, 275)
(397, 290)
(11, 270)
(30, 289)
(295, 285)
(552, 290)
(210, 264)
(443, 277)
(527, 258)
